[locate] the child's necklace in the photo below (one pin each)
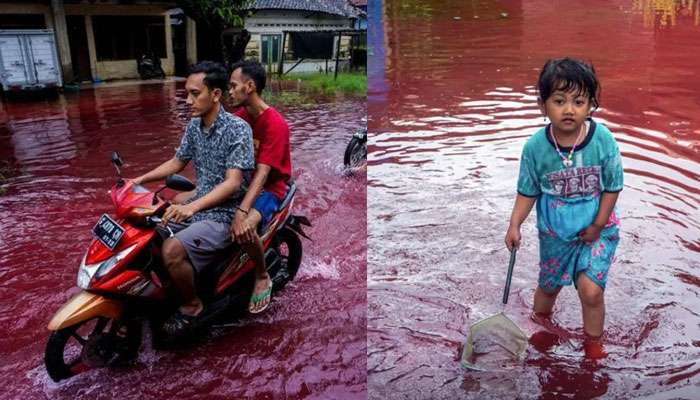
(567, 160)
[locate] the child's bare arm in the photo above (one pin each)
(607, 203)
(521, 209)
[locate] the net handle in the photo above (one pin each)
(511, 263)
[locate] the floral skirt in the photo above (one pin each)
(561, 261)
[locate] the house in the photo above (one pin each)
(362, 20)
(301, 35)
(102, 39)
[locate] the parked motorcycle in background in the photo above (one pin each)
(149, 66)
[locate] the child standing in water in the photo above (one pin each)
(572, 170)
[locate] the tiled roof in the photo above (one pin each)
(334, 7)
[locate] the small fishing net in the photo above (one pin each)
(489, 338)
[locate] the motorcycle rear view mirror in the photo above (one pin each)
(116, 159)
(179, 183)
(117, 162)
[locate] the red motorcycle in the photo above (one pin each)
(125, 283)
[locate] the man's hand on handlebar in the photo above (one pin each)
(178, 213)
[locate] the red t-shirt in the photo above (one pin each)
(271, 142)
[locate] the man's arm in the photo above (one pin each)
(220, 193)
(172, 166)
(242, 230)
(256, 186)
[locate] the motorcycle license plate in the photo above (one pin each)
(108, 231)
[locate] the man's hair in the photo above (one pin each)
(567, 74)
(215, 75)
(253, 70)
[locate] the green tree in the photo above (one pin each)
(221, 15)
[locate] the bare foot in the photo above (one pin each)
(593, 347)
(544, 319)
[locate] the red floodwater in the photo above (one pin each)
(451, 102)
(312, 341)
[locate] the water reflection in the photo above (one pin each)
(666, 13)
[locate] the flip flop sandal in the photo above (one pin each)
(179, 324)
(260, 297)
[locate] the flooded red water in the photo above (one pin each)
(451, 103)
(312, 341)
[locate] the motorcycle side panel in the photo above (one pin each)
(121, 280)
(241, 264)
(98, 252)
(125, 282)
(82, 307)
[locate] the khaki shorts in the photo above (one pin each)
(206, 242)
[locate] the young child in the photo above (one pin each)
(572, 169)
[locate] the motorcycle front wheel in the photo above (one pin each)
(89, 344)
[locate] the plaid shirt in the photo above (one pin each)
(227, 145)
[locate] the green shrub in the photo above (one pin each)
(346, 83)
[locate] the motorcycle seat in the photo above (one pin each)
(205, 283)
(291, 189)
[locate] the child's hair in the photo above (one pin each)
(569, 74)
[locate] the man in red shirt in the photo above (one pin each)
(273, 169)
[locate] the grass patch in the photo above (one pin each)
(306, 90)
(346, 83)
(285, 98)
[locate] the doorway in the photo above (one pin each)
(77, 38)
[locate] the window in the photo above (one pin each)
(128, 37)
(270, 49)
(314, 45)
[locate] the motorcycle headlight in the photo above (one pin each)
(100, 269)
(84, 275)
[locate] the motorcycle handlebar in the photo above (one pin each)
(155, 220)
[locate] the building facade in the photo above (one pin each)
(305, 34)
(101, 40)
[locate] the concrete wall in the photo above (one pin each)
(275, 22)
(309, 66)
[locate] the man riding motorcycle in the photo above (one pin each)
(221, 147)
(273, 170)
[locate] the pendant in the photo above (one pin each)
(567, 163)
